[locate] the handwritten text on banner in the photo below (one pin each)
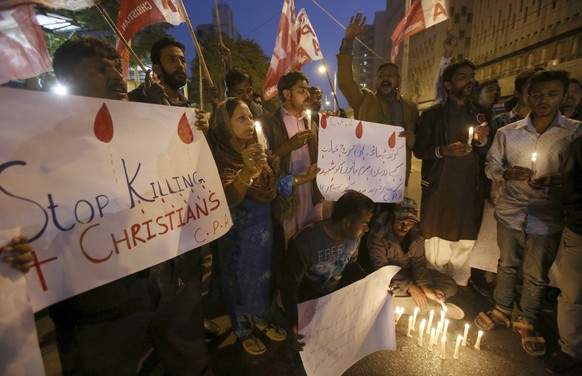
(363, 156)
(103, 188)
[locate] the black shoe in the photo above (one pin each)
(211, 329)
(561, 363)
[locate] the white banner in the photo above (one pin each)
(363, 156)
(346, 325)
(103, 188)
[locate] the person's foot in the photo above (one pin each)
(561, 363)
(211, 329)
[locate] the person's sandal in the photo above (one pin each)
(252, 344)
(531, 342)
(492, 319)
(273, 332)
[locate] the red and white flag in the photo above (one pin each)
(284, 52)
(55, 4)
(421, 15)
(134, 15)
(308, 48)
(23, 53)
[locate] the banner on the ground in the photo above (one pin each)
(363, 156)
(103, 188)
(345, 326)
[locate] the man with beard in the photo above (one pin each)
(108, 330)
(169, 64)
(385, 105)
(529, 211)
(452, 180)
(294, 142)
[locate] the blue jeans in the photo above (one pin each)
(536, 253)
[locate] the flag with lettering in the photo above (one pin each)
(23, 53)
(55, 4)
(284, 51)
(421, 15)
(308, 48)
(134, 15)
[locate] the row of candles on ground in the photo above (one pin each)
(534, 155)
(261, 136)
(442, 328)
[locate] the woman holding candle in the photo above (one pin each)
(246, 250)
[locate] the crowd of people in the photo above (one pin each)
(282, 249)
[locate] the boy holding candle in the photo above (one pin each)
(528, 211)
(395, 239)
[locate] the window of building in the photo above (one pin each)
(463, 11)
(452, 10)
(461, 34)
(467, 42)
(457, 18)
(525, 16)
(470, 18)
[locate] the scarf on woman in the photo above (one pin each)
(229, 161)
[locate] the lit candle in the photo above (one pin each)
(430, 317)
(534, 158)
(478, 343)
(414, 318)
(399, 311)
(308, 119)
(446, 327)
(443, 314)
(465, 334)
(421, 332)
(432, 339)
(457, 347)
(471, 132)
(260, 135)
(443, 342)
(438, 331)
(409, 327)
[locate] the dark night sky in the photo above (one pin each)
(259, 20)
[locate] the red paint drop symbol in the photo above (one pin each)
(323, 122)
(103, 126)
(392, 140)
(184, 130)
(359, 130)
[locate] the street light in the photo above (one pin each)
(322, 69)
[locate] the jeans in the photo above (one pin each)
(536, 253)
(569, 279)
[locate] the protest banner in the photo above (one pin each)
(103, 188)
(363, 156)
(346, 325)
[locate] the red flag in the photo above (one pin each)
(56, 4)
(134, 15)
(308, 48)
(284, 51)
(421, 15)
(23, 53)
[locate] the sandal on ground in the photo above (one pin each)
(531, 341)
(492, 319)
(273, 332)
(252, 344)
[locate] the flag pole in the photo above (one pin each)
(343, 27)
(329, 80)
(198, 48)
(218, 23)
(118, 34)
